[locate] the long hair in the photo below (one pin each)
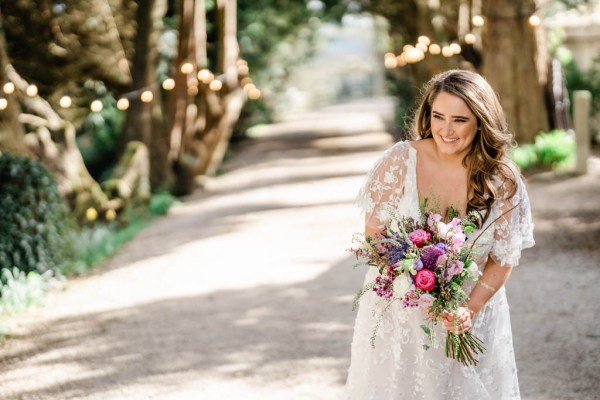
(486, 162)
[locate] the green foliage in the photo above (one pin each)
(577, 79)
(553, 149)
(100, 242)
(160, 203)
(405, 94)
(22, 290)
(99, 135)
(35, 230)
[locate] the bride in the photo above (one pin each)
(461, 162)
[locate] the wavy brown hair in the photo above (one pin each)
(486, 161)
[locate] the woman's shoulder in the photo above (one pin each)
(399, 151)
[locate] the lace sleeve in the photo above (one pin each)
(384, 185)
(513, 232)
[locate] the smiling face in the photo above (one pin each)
(453, 125)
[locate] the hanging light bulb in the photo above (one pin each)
(422, 46)
(243, 69)
(455, 48)
(3, 103)
(65, 102)
(215, 85)
(187, 68)
(478, 20)
(168, 84)
(425, 40)
(254, 94)
(31, 90)
(401, 60)
(123, 104)
(435, 49)
(205, 76)
(470, 38)
(192, 90)
(96, 106)
(534, 21)
(414, 55)
(147, 96)
(8, 87)
(390, 61)
(447, 51)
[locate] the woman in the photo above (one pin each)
(461, 162)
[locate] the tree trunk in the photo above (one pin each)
(232, 100)
(509, 64)
(145, 121)
(11, 131)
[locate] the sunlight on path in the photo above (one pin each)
(243, 292)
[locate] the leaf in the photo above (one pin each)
(426, 329)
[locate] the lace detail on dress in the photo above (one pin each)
(384, 187)
(398, 367)
(514, 231)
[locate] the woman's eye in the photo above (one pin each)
(461, 120)
(437, 117)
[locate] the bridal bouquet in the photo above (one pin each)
(436, 260)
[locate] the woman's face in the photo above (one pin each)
(453, 124)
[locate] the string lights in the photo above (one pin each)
(146, 95)
(412, 54)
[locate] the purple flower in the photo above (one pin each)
(419, 265)
(430, 255)
(398, 252)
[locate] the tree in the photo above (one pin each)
(512, 66)
(145, 121)
(508, 54)
(203, 111)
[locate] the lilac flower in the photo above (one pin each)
(454, 268)
(384, 287)
(411, 299)
(430, 255)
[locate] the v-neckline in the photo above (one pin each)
(415, 154)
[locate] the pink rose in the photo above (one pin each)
(419, 237)
(425, 279)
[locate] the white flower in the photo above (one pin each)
(473, 268)
(443, 229)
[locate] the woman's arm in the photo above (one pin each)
(493, 278)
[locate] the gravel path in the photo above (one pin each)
(244, 291)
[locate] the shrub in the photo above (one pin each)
(160, 203)
(35, 230)
(550, 150)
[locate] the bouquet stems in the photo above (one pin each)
(463, 347)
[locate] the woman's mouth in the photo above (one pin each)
(449, 140)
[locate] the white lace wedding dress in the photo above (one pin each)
(398, 367)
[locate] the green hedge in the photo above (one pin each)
(35, 230)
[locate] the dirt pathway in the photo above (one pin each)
(244, 291)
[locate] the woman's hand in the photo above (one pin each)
(463, 321)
